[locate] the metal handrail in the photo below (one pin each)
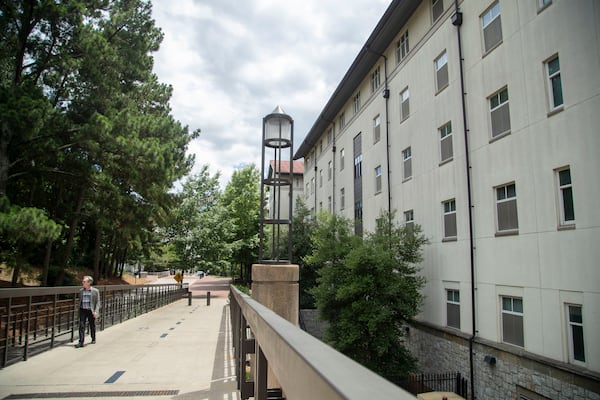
(33, 320)
(305, 367)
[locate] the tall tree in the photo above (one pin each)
(200, 228)
(86, 130)
(303, 225)
(241, 199)
(367, 289)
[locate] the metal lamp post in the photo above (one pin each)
(278, 140)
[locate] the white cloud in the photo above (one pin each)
(231, 63)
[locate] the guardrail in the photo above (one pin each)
(305, 367)
(33, 320)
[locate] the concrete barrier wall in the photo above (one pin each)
(305, 367)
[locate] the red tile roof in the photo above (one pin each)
(285, 167)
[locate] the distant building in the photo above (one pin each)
(482, 126)
(296, 179)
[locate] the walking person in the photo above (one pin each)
(89, 308)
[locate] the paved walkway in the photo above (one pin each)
(176, 352)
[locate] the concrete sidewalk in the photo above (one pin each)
(175, 352)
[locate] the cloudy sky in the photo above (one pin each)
(231, 62)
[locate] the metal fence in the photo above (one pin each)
(33, 320)
(446, 382)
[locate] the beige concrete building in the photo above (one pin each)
(479, 121)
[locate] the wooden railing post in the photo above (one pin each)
(260, 379)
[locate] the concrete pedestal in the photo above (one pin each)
(276, 286)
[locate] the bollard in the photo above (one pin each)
(208, 298)
(189, 297)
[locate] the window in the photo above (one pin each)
(320, 178)
(320, 147)
(506, 208)
(342, 198)
(342, 120)
(329, 170)
(409, 219)
(441, 71)
(375, 79)
(453, 308)
(492, 27)
(402, 47)
(500, 113)
(357, 103)
(307, 189)
(329, 136)
(446, 152)
(565, 197)
(437, 9)
(378, 179)
(512, 320)
(575, 328)
(376, 129)
(404, 107)
(554, 84)
(312, 185)
(320, 206)
(358, 166)
(407, 163)
(449, 208)
(341, 159)
(329, 204)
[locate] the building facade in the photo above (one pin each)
(478, 121)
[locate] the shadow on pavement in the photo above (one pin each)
(223, 384)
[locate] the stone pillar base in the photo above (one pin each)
(276, 286)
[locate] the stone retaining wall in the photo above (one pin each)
(512, 376)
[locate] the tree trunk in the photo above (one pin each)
(46, 266)
(71, 237)
(111, 265)
(16, 272)
(123, 259)
(5, 137)
(97, 255)
(104, 256)
(116, 260)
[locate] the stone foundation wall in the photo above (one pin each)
(513, 373)
(312, 324)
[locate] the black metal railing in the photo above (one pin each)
(33, 320)
(446, 382)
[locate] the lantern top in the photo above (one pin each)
(278, 113)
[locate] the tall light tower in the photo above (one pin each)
(278, 140)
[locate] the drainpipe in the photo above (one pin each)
(316, 184)
(457, 21)
(333, 150)
(386, 96)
